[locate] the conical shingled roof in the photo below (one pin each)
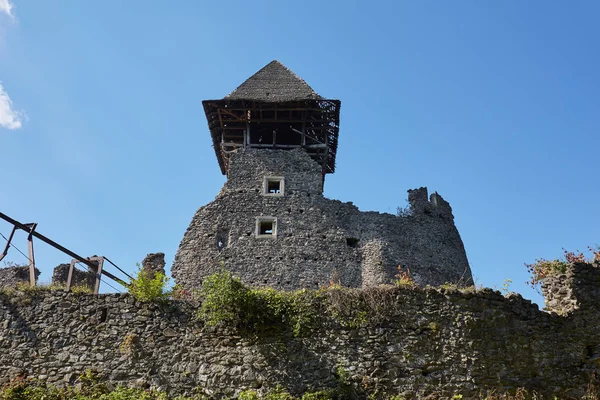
(274, 83)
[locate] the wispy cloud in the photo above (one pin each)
(9, 117)
(6, 7)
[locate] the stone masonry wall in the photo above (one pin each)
(60, 276)
(317, 238)
(154, 263)
(12, 276)
(432, 341)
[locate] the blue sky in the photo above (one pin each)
(495, 105)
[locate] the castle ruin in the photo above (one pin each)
(276, 139)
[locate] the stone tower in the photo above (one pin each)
(275, 138)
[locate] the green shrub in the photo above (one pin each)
(228, 302)
(225, 300)
(248, 395)
(279, 393)
(82, 289)
(89, 387)
(329, 394)
(149, 287)
(298, 310)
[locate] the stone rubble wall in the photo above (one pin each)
(433, 341)
(154, 263)
(12, 276)
(80, 278)
(576, 290)
(317, 238)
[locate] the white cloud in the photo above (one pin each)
(6, 7)
(9, 118)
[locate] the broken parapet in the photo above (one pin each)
(153, 263)
(435, 204)
(373, 263)
(578, 289)
(80, 278)
(12, 276)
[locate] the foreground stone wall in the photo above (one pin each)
(317, 239)
(442, 341)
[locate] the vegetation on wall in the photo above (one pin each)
(90, 387)
(543, 268)
(226, 301)
(149, 286)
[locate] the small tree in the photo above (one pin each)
(149, 286)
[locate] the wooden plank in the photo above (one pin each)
(31, 263)
(228, 112)
(5, 252)
(292, 121)
(247, 133)
(317, 110)
(98, 273)
(220, 119)
(31, 255)
(27, 228)
(270, 146)
(303, 128)
(47, 240)
(70, 276)
(232, 144)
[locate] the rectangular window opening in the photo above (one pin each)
(273, 186)
(222, 238)
(266, 227)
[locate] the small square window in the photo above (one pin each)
(266, 227)
(273, 186)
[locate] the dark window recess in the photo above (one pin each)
(103, 314)
(261, 134)
(275, 133)
(589, 349)
(221, 239)
(352, 242)
(266, 228)
(274, 187)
